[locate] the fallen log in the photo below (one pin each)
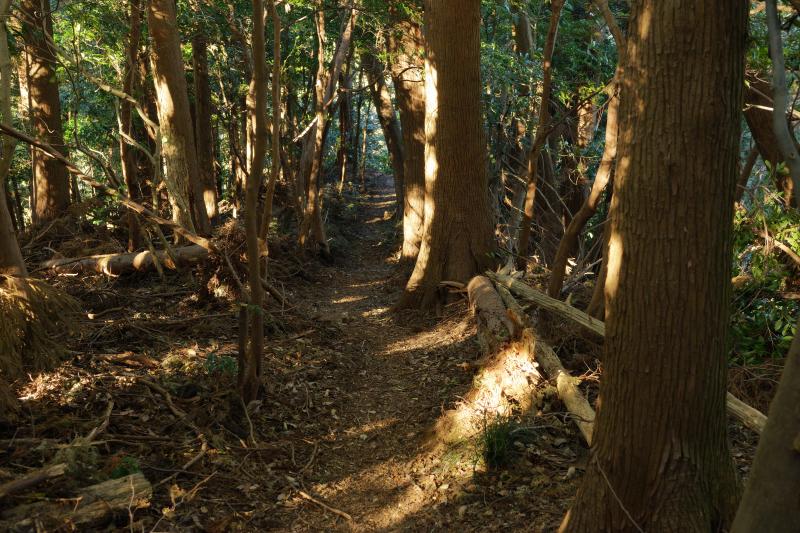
(118, 264)
(494, 326)
(566, 385)
(93, 506)
(507, 374)
(749, 416)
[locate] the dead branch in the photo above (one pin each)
(32, 479)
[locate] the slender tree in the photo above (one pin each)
(127, 153)
(457, 239)
(250, 370)
(660, 458)
(387, 118)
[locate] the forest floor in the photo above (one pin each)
(340, 442)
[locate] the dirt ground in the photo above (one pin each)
(339, 442)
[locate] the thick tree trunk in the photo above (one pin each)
(127, 153)
(457, 238)
(406, 46)
(50, 188)
(770, 498)
(177, 133)
(660, 458)
(386, 116)
(204, 133)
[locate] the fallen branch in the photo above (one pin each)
(558, 307)
(324, 505)
(566, 385)
(32, 479)
(749, 416)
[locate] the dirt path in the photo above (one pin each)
(396, 373)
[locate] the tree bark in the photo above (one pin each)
(250, 368)
(569, 243)
(177, 133)
(661, 460)
(758, 114)
(780, 99)
(542, 132)
(388, 120)
(457, 238)
(50, 188)
(127, 153)
(406, 46)
(204, 133)
(11, 261)
(312, 229)
(770, 497)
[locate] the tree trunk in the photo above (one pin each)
(542, 132)
(177, 133)
(204, 133)
(758, 105)
(312, 229)
(276, 125)
(661, 460)
(457, 238)
(50, 197)
(569, 243)
(770, 498)
(406, 46)
(250, 368)
(386, 116)
(11, 262)
(127, 153)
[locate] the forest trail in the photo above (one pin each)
(395, 372)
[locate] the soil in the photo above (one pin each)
(341, 440)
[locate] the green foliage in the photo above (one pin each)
(496, 442)
(763, 321)
(220, 364)
(126, 466)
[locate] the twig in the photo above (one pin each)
(102, 427)
(324, 505)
